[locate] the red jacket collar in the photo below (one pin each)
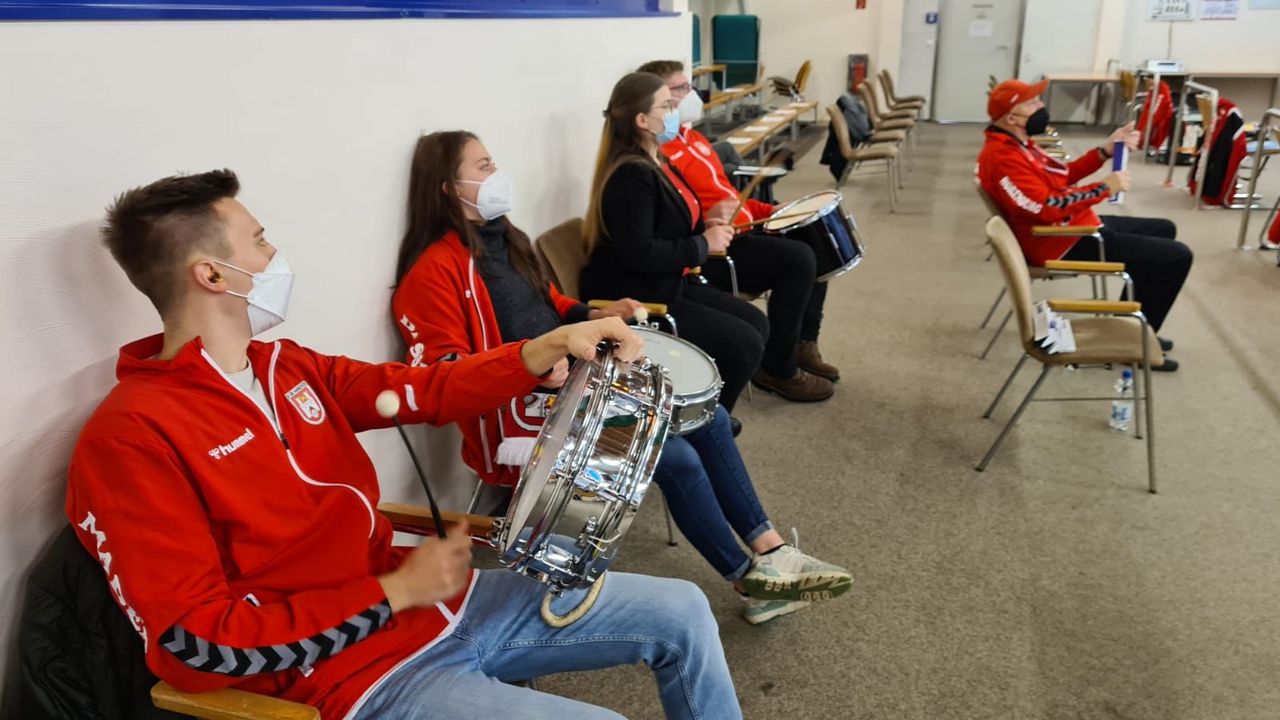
(138, 358)
(1004, 136)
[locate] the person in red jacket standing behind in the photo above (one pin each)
(221, 486)
(784, 267)
(1031, 188)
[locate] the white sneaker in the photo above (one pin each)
(788, 574)
(760, 611)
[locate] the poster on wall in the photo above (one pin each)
(1219, 9)
(1165, 10)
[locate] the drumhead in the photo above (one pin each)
(811, 205)
(692, 371)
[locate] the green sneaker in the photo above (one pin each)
(788, 574)
(760, 611)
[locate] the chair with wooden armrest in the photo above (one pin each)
(1039, 273)
(232, 704)
(1117, 333)
(562, 251)
(870, 153)
(1096, 278)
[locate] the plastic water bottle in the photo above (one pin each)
(1122, 406)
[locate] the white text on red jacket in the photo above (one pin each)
(90, 525)
(224, 450)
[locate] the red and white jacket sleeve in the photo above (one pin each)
(1022, 190)
(432, 317)
(438, 394)
(129, 496)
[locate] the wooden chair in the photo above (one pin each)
(886, 84)
(792, 90)
(1118, 334)
(1053, 270)
(231, 704)
(914, 104)
(863, 154)
(883, 123)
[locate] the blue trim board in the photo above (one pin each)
(321, 9)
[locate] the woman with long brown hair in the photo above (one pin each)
(645, 227)
(458, 296)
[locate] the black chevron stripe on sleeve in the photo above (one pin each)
(201, 654)
(1075, 197)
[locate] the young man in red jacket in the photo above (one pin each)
(1031, 188)
(221, 486)
(792, 365)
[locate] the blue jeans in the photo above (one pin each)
(501, 638)
(711, 496)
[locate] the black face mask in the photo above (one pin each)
(1038, 122)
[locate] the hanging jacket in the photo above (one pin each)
(691, 153)
(1162, 122)
(443, 312)
(244, 546)
(859, 124)
(79, 658)
(1032, 188)
(1225, 151)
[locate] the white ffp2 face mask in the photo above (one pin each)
(690, 108)
(268, 296)
(494, 199)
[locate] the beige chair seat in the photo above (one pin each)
(1104, 340)
(874, 152)
(898, 124)
(880, 136)
(898, 113)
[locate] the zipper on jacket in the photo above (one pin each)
(484, 341)
(273, 418)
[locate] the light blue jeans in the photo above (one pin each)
(501, 638)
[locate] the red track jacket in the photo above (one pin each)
(245, 550)
(443, 311)
(691, 154)
(1031, 188)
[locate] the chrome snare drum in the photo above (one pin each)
(695, 380)
(589, 470)
(826, 227)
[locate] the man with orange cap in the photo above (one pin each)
(1032, 188)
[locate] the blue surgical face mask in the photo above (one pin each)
(670, 127)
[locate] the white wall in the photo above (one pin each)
(824, 31)
(319, 119)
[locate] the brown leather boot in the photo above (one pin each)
(810, 358)
(801, 387)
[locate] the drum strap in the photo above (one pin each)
(576, 614)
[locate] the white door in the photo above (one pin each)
(1057, 42)
(919, 44)
(978, 39)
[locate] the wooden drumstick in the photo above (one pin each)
(761, 221)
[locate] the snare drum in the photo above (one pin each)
(695, 380)
(589, 470)
(826, 227)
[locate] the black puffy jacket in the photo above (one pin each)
(79, 658)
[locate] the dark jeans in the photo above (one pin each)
(730, 330)
(711, 496)
(1156, 261)
(786, 268)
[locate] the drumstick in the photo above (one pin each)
(762, 221)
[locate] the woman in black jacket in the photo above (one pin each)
(645, 227)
